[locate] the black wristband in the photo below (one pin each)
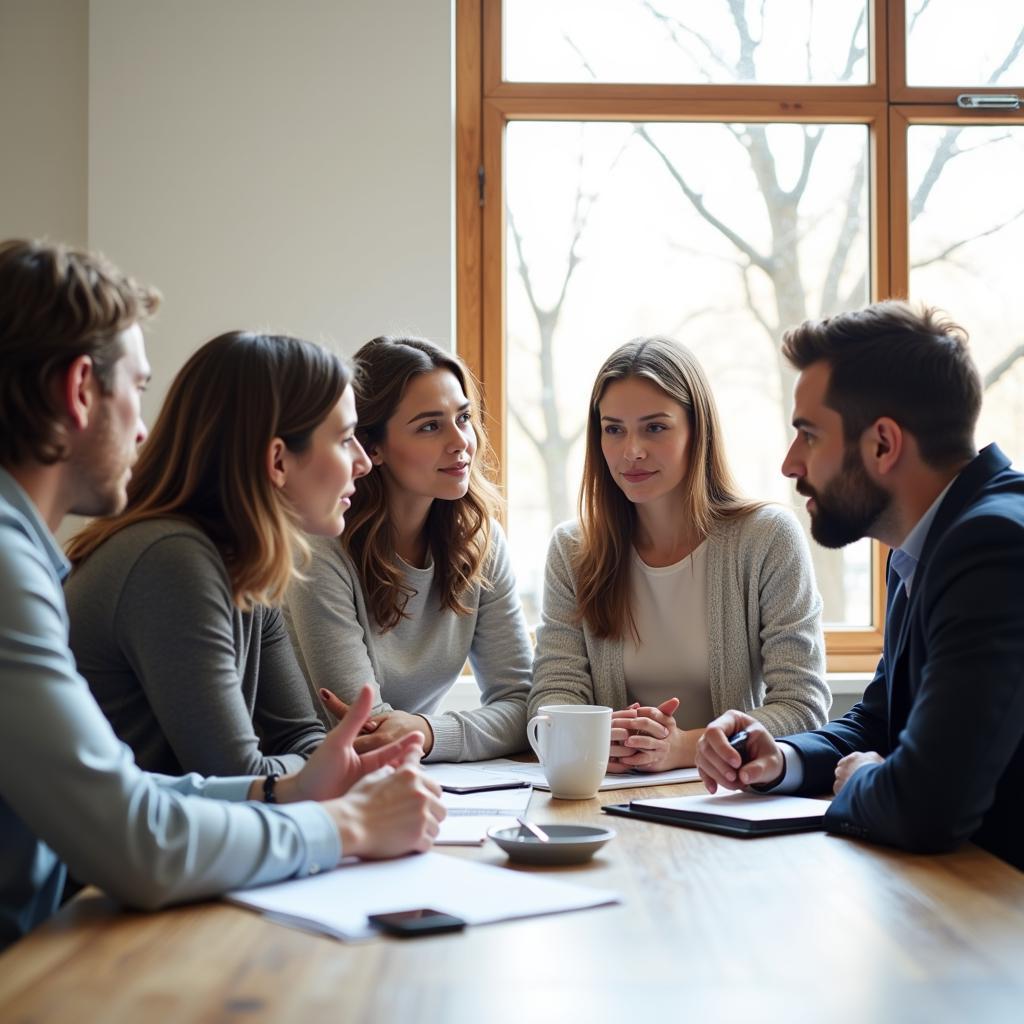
(269, 797)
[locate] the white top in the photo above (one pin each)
(671, 659)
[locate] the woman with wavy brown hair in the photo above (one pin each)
(420, 581)
(173, 602)
(673, 598)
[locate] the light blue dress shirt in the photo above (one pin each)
(70, 792)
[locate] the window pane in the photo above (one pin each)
(720, 235)
(679, 41)
(966, 240)
(950, 42)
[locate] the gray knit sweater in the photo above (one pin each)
(766, 651)
(412, 666)
(187, 680)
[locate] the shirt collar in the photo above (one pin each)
(13, 493)
(908, 554)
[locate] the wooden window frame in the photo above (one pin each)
(485, 104)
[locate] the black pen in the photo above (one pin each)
(738, 742)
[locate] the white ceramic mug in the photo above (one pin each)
(572, 742)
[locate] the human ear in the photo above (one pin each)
(886, 440)
(79, 392)
(276, 468)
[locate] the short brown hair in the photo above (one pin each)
(892, 359)
(56, 304)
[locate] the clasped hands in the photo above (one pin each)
(647, 739)
(720, 765)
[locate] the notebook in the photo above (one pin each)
(734, 814)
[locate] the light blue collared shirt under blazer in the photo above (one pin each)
(70, 792)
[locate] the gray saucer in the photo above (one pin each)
(568, 844)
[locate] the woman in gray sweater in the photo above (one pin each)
(420, 581)
(173, 602)
(673, 598)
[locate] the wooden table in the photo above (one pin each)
(795, 928)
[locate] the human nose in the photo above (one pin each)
(361, 464)
(635, 449)
(792, 465)
(141, 432)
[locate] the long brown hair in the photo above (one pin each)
(459, 531)
(205, 461)
(608, 518)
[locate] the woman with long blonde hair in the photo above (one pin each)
(673, 598)
(420, 581)
(174, 602)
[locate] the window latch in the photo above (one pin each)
(988, 101)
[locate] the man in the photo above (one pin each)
(885, 409)
(72, 366)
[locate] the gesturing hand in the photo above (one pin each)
(336, 765)
(645, 739)
(385, 728)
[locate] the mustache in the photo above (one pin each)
(805, 489)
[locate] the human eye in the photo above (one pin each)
(807, 437)
(656, 428)
(466, 416)
(430, 427)
(612, 428)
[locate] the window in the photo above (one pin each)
(719, 172)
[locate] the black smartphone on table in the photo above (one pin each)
(409, 923)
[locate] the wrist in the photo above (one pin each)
(428, 735)
(349, 822)
(685, 753)
(289, 789)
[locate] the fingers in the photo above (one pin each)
(405, 748)
(670, 706)
(351, 716)
(650, 726)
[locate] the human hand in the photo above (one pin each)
(392, 812)
(338, 709)
(853, 763)
(645, 739)
(336, 765)
(387, 728)
(720, 765)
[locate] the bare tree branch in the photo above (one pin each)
(855, 53)
(533, 438)
(697, 202)
(950, 249)
(677, 29)
(1003, 366)
(582, 56)
(844, 243)
(917, 14)
(945, 151)
(769, 330)
(812, 139)
(1010, 57)
(746, 70)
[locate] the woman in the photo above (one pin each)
(172, 602)
(673, 598)
(421, 578)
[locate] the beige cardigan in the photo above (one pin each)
(766, 651)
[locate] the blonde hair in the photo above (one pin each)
(608, 518)
(205, 461)
(459, 531)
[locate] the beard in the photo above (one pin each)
(103, 469)
(848, 506)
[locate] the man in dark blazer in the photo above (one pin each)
(885, 409)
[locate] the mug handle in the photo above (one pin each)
(533, 735)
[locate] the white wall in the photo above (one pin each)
(44, 93)
(266, 164)
(277, 165)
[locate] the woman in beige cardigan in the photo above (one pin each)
(673, 598)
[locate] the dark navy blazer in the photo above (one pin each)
(946, 705)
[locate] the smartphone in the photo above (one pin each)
(408, 923)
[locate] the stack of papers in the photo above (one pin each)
(470, 815)
(338, 902)
(502, 772)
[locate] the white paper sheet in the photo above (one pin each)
(470, 815)
(338, 902)
(743, 806)
(506, 769)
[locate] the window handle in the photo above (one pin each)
(988, 101)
